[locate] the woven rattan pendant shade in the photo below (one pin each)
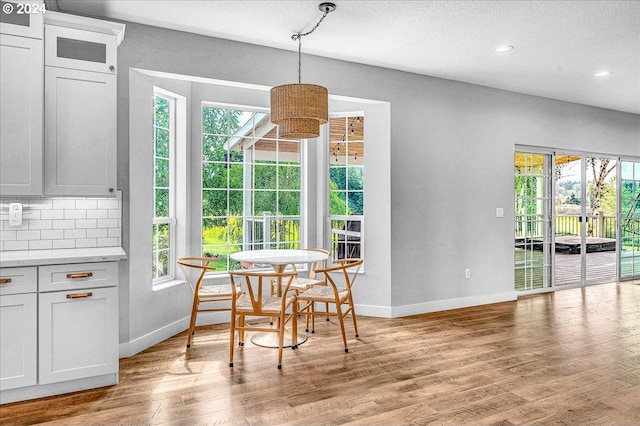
(299, 109)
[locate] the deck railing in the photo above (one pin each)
(532, 226)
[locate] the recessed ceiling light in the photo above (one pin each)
(502, 49)
(603, 73)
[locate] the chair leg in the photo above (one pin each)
(294, 326)
(232, 334)
(353, 316)
(241, 331)
(341, 318)
(192, 322)
(280, 341)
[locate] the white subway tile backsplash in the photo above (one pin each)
(108, 242)
(75, 233)
(59, 203)
(40, 224)
(75, 214)
(28, 235)
(86, 223)
(63, 222)
(64, 244)
(7, 235)
(97, 214)
(52, 234)
(86, 204)
(109, 203)
(16, 245)
(97, 233)
(108, 223)
(52, 214)
(41, 204)
(40, 245)
(86, 242)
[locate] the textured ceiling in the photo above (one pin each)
(559, 45)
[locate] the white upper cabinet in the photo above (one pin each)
(21, 87)
(80, 133)
(80, 50)
(22, 18)
(80, 119)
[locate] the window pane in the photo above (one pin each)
(288, 177)
(161, 203)
(213, 148)
(214, 175)
(338, 177)
(236, 175)
(214, 231)
(356, 178)
(214, 202)
(289, 203)
(161, 112)
(338, 203)
(215, 121)
(265, 177)
(162, 173)
(356, 202)
(265, 201)
(162, 143)
(235, 203)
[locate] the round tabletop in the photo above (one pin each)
(279, 257)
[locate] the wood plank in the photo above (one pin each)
(567, 357)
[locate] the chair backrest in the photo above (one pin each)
(314, 266)
(255, 286)
(349, 268)
(195, 265)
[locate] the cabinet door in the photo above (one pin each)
(80, 133)
(18, 336)
(21, 116)
(78, 334)
(22, 18)
(80, 50)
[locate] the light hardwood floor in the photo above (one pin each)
(570, 357)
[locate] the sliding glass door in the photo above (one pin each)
(629, 220)
(585, 220)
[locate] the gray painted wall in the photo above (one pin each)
(451, 161)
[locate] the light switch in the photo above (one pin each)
(499, 212)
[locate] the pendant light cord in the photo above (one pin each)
(298, 36)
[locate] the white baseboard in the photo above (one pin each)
(444, 305)
(141, 343)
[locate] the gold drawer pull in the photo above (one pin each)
(5, 280)
(80, 275)
(79, 295)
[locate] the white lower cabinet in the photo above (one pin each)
(58, 329)
(77, 334)
(18, 337)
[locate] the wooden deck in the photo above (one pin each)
(562, 358)
(601, 268)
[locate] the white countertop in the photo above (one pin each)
(9, 259)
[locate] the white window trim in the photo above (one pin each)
(177, 185)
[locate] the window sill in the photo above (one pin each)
(167, 284)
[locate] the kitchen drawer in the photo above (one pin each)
(18, 280)
(77, 276)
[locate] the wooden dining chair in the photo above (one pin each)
(338, 293)
(194, 270)
(255, 300)
(301, 284)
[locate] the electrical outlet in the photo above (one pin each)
(467, 273)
